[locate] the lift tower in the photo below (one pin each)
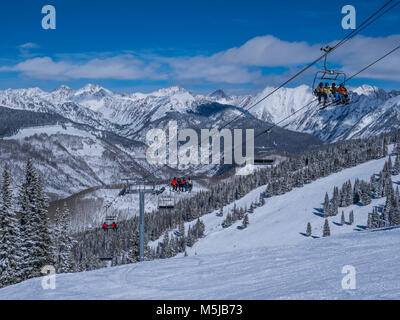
(141, 189)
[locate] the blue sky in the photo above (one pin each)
(141, 46)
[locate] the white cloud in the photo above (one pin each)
(236, 66)
(28, 45)
(121, 67)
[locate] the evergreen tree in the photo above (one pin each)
(166, 250)
(134, 247)
(374, 219)
(308, 231)
(327, 212)
(245, 222)
(228, 221)
(9, 235)
(251, 209)
(262, 200)
(351, 217)
(45, 253)
(62, 240)
(29, 235)
(326, 231)
(342, 219)
(396, 166)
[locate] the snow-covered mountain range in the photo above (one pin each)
(118, 123)
(372, 110)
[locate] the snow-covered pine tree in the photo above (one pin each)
(62, 240)
(251, 209)
(326, 232)
(365, 190)
(228, 221)
(349, 194)
(9, 235)
(342, 219)
(351, 217)
(269, 190)
(308, 231)
(369, 221)
(165, 251)
(396, 166)
(356, 192)
(134, 247)
(29, 225)
(45, 245)
(335, 199)
(375, 219)
(327, 212)
(245, 222)
(262, 200)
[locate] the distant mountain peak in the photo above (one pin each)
(219, 94)
(91, 88)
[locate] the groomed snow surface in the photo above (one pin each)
(271, 259)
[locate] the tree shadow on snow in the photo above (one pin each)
(337, 223)
(360, 228)
(240, 227)
(319, 212)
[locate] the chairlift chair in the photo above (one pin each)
(326, 74)
(166, 201)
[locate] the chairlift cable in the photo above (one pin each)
(363, 25)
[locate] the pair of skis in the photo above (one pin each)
(331, 103)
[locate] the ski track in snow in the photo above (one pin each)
(268, 260)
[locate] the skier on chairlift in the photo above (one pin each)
(114, 226)
(320, 92)
(185, 185)
(190, 185)
(180, 185)
(174, 184)
(343, 92)
(105, 226)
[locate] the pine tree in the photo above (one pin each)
(134, 247)
(396, 166)
(262, 200)
(308, 231)
(374, 219)
(327, 212)
(326, 231)
(62, 241)
(9, 235)
(245, 222)
(351, 217)
(46, 249)
(27, 201)
(165, 251)
(342, 219)
(228, 221)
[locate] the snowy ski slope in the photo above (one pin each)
(270, 259)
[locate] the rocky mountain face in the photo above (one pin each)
(372, 111)
(93, 136)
